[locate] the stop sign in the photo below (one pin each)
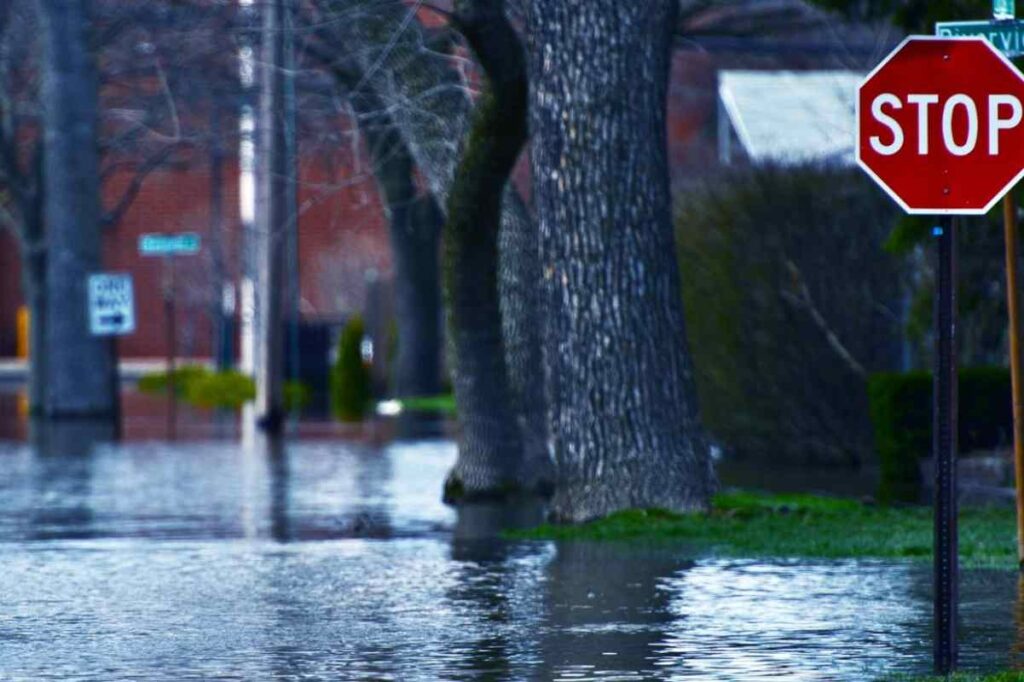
(940, 125)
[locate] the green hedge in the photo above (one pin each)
(901, 413)
(201, 387)
(755, 246)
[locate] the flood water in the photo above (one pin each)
(334, 560)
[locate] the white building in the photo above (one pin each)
(787, 116)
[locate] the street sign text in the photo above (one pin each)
(111, 304)
(183, 244)
(1005, 36)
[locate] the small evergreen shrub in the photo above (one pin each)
(351, 394)
(901, 414)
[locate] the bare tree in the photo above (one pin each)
(426, 97)
(152, 60)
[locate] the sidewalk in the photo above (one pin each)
(16, 371)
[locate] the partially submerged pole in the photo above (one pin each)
(944, 435)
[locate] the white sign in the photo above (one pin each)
(111, 304)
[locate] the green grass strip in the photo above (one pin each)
(444, 404)
(762, 525)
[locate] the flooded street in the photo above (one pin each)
(328, 560)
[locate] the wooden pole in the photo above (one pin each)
(1013, 308)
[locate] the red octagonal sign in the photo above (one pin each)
(940, 125)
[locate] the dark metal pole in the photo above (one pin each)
(944, 434)
(172, 335)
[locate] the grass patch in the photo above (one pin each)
(754, 524)
(961, 677)
(445, 404)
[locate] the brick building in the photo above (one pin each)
(342, 226)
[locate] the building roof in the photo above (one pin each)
(791, 116)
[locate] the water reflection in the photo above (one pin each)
(607, 610)
(61, 476)
(280, 489)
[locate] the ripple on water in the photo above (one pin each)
(329, 561)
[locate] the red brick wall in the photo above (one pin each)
(10, 293)
(342, 227)
(342, 233)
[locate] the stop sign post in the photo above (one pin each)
(940, 127)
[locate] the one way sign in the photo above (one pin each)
(111, 304)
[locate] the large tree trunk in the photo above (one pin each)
(79, 366)
(519, 288)
(621, 399)
(425, 99)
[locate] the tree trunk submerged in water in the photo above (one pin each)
(79, 367)
(428, 104)
(491, 441)
(621, 399)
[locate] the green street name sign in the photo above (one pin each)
(183, 244)
(1005, 36)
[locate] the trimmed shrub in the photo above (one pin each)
(351, 384)
(199, 387)
(220, 390)
(155, 383)
(901, 413)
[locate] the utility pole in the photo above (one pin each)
(275, 211)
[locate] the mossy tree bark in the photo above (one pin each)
(491, 441)
(621, 399)
(427, 102)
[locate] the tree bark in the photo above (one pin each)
(415, 231)
(621, 400)
(79, 366)
(491, 444)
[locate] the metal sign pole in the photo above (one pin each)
(944, 434)
(172, 398)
